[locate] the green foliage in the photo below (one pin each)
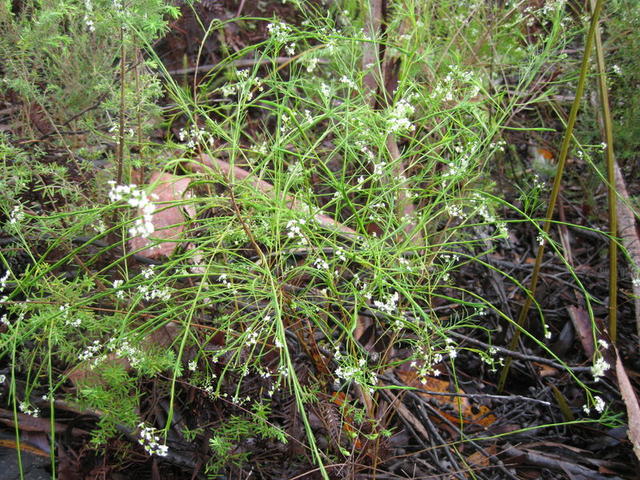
(59, 57)
(235, 431)
(624, 76)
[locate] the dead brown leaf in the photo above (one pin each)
(631, 401)
(168, 220)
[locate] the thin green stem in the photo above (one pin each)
(120, 153)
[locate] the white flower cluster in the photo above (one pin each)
(311, 62)
(224, 279)
(143, 227)
(390, 305)
(16, 216)
(450, 348)
(294, 230)
(485, 213)
(446, 89)
(244, 85)
(3, 280)
(73, 322)
(252, 336)
(150, 440)
(488, 358)
(550, 7)
(194, 136)
(325, 90)
(116, 286)
(348, 370)
(124, 349)
(279, 31)
(348, 82)
(90, 352)
(150, 294)
(454, 210)
(427, 360)
(398, 117)
(320, 264)
(600, 366)
(598, 405)
(459, 166)
(27, 409)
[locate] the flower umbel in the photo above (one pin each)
(150, 440)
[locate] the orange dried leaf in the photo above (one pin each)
(475, 414)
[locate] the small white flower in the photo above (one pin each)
(76, 322)
(16, 216)
(26, 408)
(398, 117)
(148, 272)
(320, 264)
(279, 31)
(150, 440)
(325, 90)
(3, 280)
(598, 404)
(348, 82)
(193, 365)
(599, 367)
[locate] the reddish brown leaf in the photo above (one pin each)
(631, 401)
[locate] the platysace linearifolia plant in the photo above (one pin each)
(257, 285)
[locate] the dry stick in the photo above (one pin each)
(562, 159)
(370, 60)
(611, 191)
(436, 413)
(546, 461)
